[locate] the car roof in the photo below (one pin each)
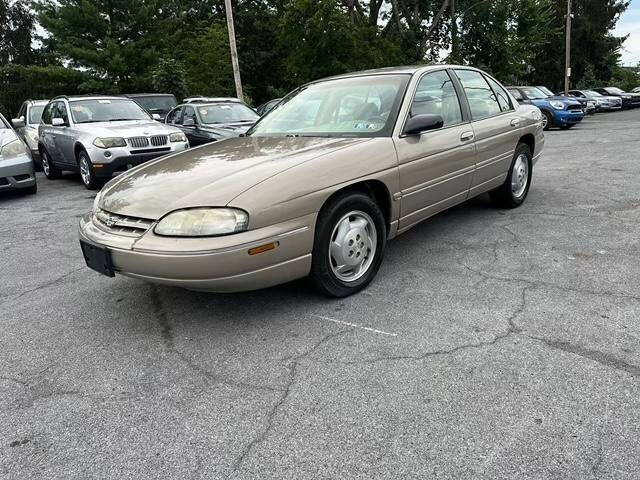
(92, 96)
(211, 99)
(37, 102)
(135, 95)
(210, 102)
(401, 70)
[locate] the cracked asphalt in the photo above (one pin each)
(494, 344)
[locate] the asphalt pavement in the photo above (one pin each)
(494, 344)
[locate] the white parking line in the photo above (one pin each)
(355, 325)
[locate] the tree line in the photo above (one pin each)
(182, 47)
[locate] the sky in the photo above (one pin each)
(629, 23)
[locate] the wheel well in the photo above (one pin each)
(376, 189)
(76, 150)
(529, 141)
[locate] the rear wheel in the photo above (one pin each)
(514, 190)
(50, 170)
(349, 244)
(86, 171)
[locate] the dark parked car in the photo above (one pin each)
(210, 121)
(158, 103)
(604, 103)
(629, 99)
(267, 107)
(555, 112)
(588, 105)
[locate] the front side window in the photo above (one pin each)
(106, 110)
(436, 95)
(364, 106)
(46, 114)
(227, 113)
(60, 111)
(501, 95)
(482, 101)
(174, 116)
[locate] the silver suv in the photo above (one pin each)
(27, 123)
(100, 136)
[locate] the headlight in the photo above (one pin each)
(177, 137)
(557, 104)
(626, 97)
(13, 149)
(109, 142)
(203, 222)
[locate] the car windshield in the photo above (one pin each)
(614, 90)
(591, 93)
(533, 93)
(159, 103)
(546, 91)
(226, 113)
(364, 106)
(106, 110)
(35, 113)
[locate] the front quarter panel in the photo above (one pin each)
(303, 190)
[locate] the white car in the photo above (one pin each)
(27, 123)
(101, 136)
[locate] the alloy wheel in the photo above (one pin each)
(45, 163)
(85, 173)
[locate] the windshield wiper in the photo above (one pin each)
(122, 119)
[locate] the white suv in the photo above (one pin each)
(101, 136)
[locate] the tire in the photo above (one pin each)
(31, 190)
(547, 120)
(50, 170)
(87, 175)
(510, 195)
(566, 127)
(350, 229)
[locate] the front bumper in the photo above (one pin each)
(215, 264)
(107, 162)
(567, 117)
(16, 173)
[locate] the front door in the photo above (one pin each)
(436, 167)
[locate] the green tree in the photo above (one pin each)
(16, 33)
(169, 76)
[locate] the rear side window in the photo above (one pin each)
(436, 95)
(482, 101)
(501, 95)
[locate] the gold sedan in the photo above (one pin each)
(318, 185)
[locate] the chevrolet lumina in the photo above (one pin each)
(319, 185)
(101, 136)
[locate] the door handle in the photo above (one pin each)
(515, 122)
(466, 136)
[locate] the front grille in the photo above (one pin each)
(574, 107)
(152, 150)
(121, 224)
(158, 140)
(138, 142)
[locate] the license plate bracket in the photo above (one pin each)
(97, 258)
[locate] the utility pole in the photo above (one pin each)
(234, 51)
(567, 47)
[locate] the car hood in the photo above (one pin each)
(227, 129)
(127, 128)
(568, 99)
(210, 175)
(7, 135)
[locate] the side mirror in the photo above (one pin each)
(189, 122)
(422, 123)
(17, 122)
(155, 116)
(58, 122)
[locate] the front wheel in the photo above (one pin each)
(86, 171)
(514, 190)
(547, 121)
(349, 245)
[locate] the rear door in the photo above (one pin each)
(495, 125)
(436, 167)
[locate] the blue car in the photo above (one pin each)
(563, 112)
